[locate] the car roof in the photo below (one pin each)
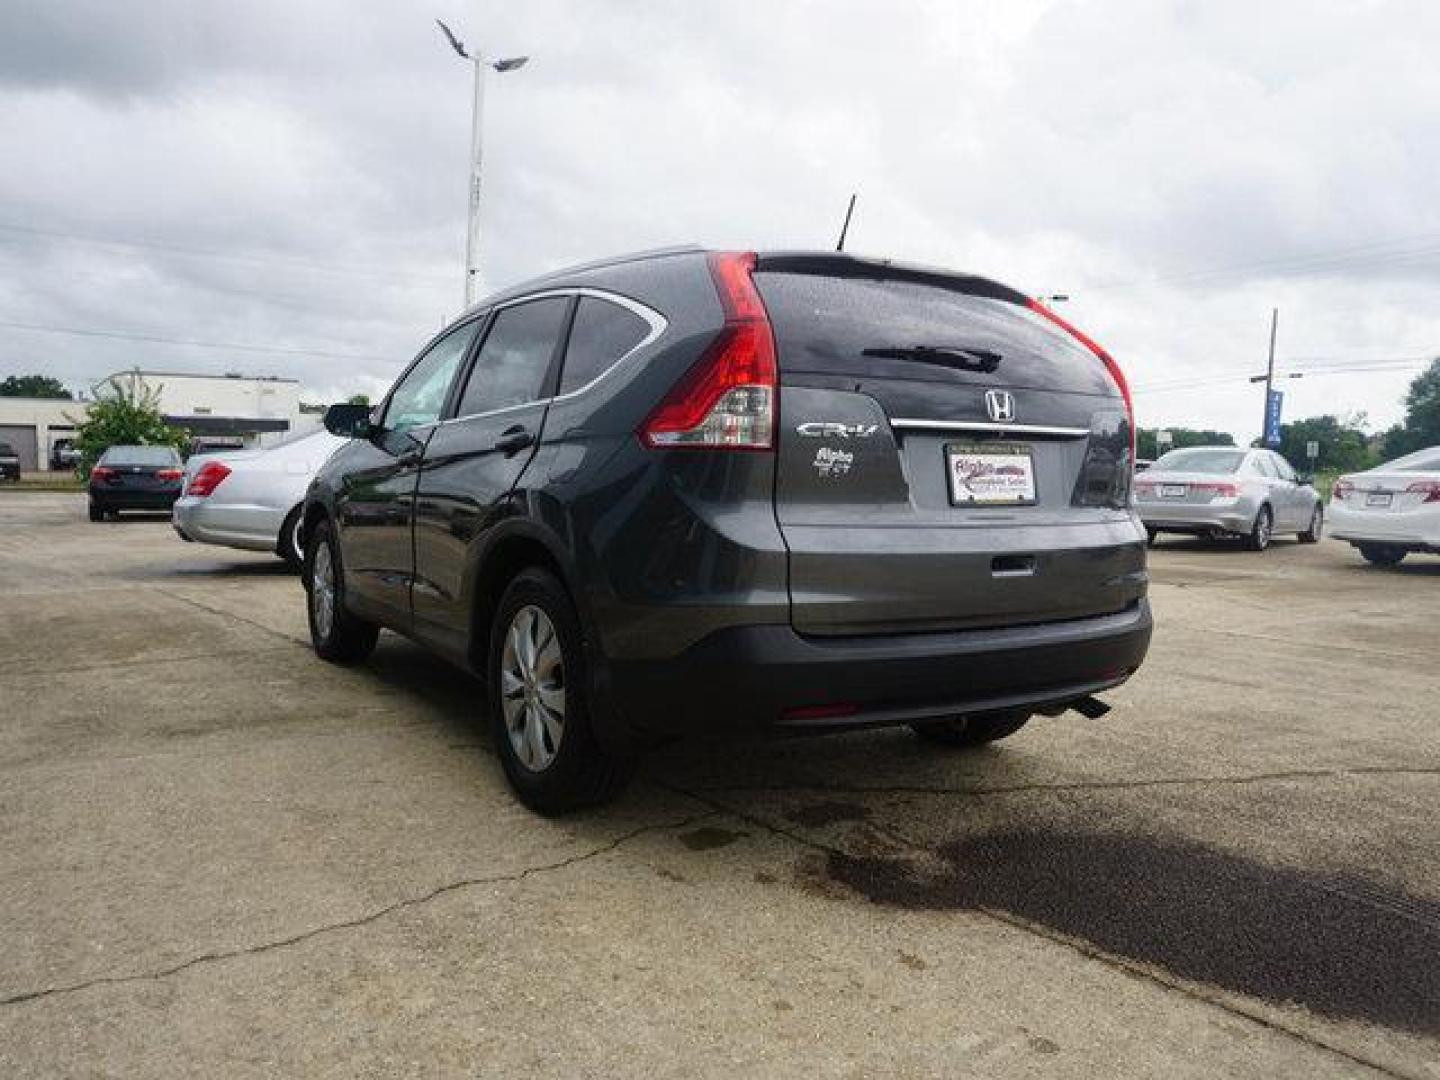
(840, 264)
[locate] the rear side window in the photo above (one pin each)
(825, 325)
(1282, 467)
(512, 364)
(141, 455)
(1264, 466)
(602, 333)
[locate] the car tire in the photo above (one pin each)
(538, 701)
(1262, 530)
(287, 544)
(962, 731)
(337, 635)
(1316, 530)
(96, 513)
(1382, 554)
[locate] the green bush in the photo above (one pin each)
(124, 415)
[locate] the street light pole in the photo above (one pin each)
(477, 118)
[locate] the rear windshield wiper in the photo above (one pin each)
(944, 355)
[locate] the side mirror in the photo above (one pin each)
(348, 421)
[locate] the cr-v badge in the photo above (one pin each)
(1000, 405)
(820, 429)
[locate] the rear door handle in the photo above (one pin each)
(513, 440)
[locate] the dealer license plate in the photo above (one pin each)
(991, 474)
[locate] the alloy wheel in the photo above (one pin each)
(532, 688)
(322, 590)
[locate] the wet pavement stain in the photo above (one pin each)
(1337, 944)
(707, 838)
(818, 815)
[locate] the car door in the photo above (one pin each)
(376, 496)
(474, 458)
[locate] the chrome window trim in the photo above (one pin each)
(657, 323)
(977, 425)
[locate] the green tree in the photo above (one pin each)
(126, 414)
(34, 386)
(1344, 445)
(1422, 416)
(1147, 447)
(358, 399)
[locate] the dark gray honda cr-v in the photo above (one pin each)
(691, 492)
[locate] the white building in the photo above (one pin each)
(217, 410)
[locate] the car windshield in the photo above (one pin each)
(1200, 460)
(140, 455)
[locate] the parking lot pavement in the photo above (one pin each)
(219, 856)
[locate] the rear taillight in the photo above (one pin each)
(207, 479)
(1429, 488)
(1104, 357)
(170, 474)
(1342, 489)
(100, 472)
(727, 400)
(1216, 490)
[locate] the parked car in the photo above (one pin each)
(9, 462)
(1219, 491)
(252, 499)
(134, 478)
(1391, 511)
(692, 492)
(64, 456)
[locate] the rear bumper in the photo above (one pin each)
(752, 678)
(1234, 516)
(134, 500)
(1417, 529)
(252, 528)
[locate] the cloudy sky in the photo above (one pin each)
(290, 175)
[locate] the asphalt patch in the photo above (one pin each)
(1340, 945)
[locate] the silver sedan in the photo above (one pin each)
(1228, 491)
(251, 498)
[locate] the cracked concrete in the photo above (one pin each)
(220, 857)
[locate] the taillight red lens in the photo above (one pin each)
(207, 479)
(170, 474)
(1429, 488)
(100, 472)
(1104, 357)
(1342, 489)
(1216, 490)
(727, 400)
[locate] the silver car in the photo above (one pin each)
(1228, 491)
(251, 498)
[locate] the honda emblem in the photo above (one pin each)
(1000, 405)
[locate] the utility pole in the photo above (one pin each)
(845, 228)
(472, 230)
(1269, 374)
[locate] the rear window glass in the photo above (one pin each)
(825, 325)
(141, 455)
(1201, 461)
(601, 334)
(1421, 461)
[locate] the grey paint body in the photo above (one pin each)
(718, 588)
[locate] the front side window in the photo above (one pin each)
(512, 364)
(420, 395)
(600, 336)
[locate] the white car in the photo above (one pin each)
(1392, 510)
(251, 498)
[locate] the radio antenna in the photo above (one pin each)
(840, 244)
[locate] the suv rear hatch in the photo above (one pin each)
(948, 456)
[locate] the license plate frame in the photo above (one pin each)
(1379, 500)
(1174, 491)
(990, 474)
